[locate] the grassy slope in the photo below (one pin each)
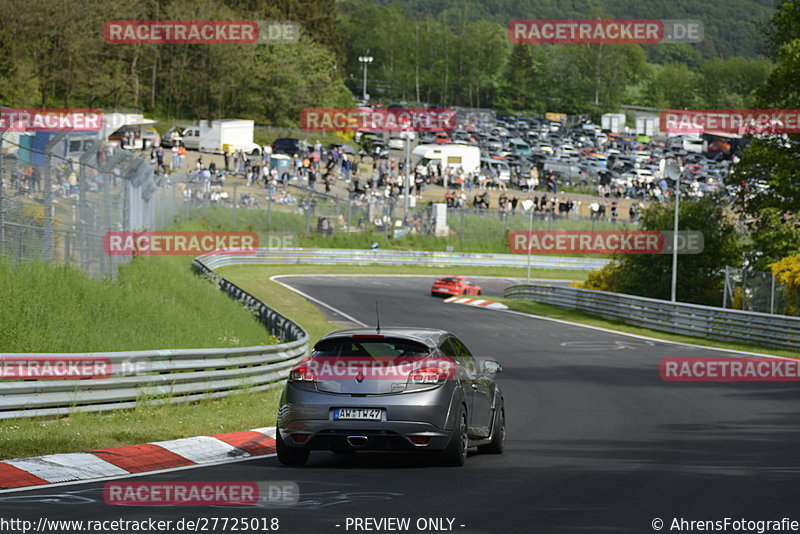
(157, 302)
(480, 234)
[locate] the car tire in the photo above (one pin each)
(455, 455)
(293, 456)
(497, 444)
(479, 292)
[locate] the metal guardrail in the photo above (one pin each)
(161, 376)
(399, 257)
(679, 318)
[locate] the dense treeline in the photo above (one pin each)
(731, 26)
(457, 54)
(52, 53)
(766, 196)
(768, 171)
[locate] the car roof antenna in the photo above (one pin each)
(377, 317)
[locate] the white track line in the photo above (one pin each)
(523, 314)
(638, 336)
(312, 299)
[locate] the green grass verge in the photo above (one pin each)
(86, 431)
(157, 302)
(480, 234)
(548, 310)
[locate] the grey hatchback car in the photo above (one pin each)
(391, 389)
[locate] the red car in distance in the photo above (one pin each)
(454, 285)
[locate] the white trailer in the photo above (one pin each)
(451, 155)
(613, 122)
(647, 125)
(218, 135)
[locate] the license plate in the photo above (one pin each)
(367, 414)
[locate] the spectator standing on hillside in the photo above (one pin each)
(181, 154)
(312, 178)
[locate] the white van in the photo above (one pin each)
(215, 137)
(451, 155)
(697, 146)
(191, 137)
(498, 167)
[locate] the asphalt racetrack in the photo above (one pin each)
(597, 442)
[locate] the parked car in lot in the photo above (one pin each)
(392, 389)
(286, 145)
(172, 137)
(454, 285)
(374, 147)
(568, 171)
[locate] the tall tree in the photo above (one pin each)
(769, 193)
(520, 87)
(699, 280)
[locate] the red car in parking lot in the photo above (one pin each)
(454, 285)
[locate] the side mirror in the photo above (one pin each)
(492, 367)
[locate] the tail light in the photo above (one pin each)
(302, 373)
(428, 375)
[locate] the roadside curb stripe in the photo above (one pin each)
(481, 303)
(202, 449)
(251, 442)
(14, 477)
(132, 460)
(69, 466)
(142, 458)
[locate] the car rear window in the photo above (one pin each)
(449, 281)
(375, 347)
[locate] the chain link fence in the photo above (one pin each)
(296, 208)
(61, 196)
(753, 291)
(59, 208)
